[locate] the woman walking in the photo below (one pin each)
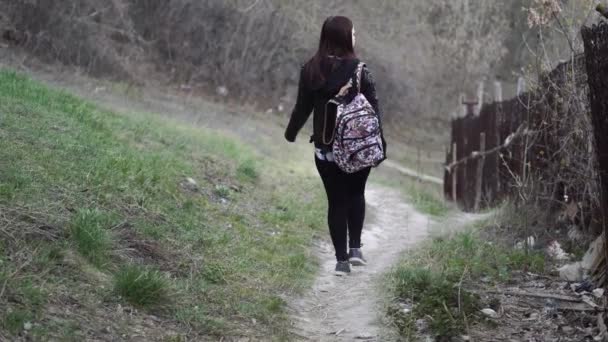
(329, 73)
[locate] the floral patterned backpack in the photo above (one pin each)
(357, 138)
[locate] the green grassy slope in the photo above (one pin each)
(115, 226)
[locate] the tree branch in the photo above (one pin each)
(521, 131)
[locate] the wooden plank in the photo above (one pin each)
(454, 174)
(480, 165)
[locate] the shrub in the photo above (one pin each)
(141, 286)
(88, 232)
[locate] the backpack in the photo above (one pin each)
(357, 137)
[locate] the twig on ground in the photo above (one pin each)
(447, 310)
(537, 295)
(12, 275)
(460, 288)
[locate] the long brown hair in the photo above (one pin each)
(336, 40)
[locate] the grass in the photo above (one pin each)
(248, 170)
(426, 198)
(427, 201)
(435, 277)
(141, 286)
(89, 232)
(14, 321)
(74, 178)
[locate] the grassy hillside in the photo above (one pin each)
(127, 227)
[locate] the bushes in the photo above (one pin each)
(255, 51)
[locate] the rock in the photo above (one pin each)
(578, 271)
(598, 293)
(364, 336)
(27, 326)
(189, 184)
(486, 279)
(593, 253)
(422, 325)
(406, 308)
(533, 316)
(550, 308)
(567, 329)
(490, 313)
(572, 272)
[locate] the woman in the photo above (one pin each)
(320, 80)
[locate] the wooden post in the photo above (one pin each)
(454, 174)
(418, 163)
(480, 93)
(521, 86)
(467, 191)
(463, 106)
(480, 165)
(497, 124)
(497, 91)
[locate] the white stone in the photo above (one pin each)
(533, 317)
(598, 293)
(592, 253)
(490, 313)
(572, 272)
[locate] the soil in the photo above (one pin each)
(350, 308)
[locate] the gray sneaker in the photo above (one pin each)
(355, 257)
(342, 268)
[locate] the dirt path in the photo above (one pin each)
(348, 308)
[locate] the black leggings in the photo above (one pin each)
(346, 205)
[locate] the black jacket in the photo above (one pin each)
(337, 72)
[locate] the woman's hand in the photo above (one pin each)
(290, 138)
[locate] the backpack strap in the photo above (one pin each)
(358, 75)
(343, 92)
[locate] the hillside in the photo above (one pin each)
(125, 226)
